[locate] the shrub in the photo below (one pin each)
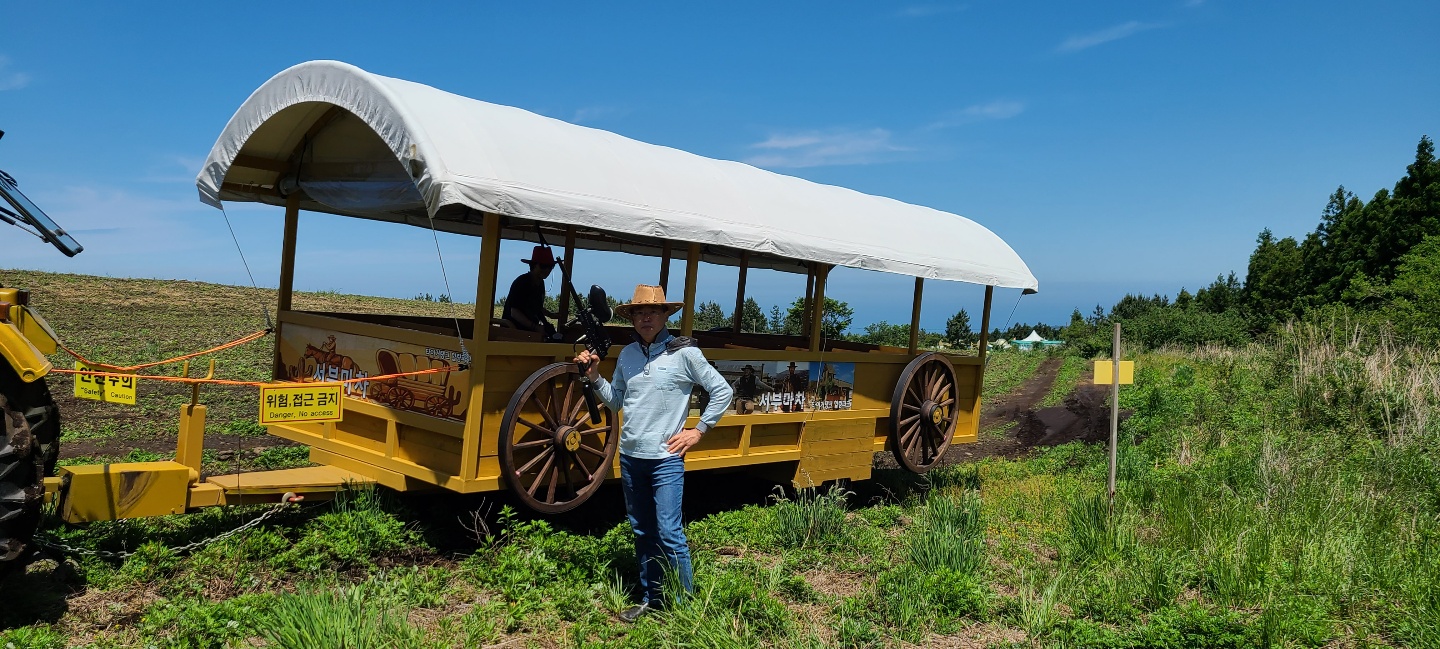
(358, 526)
(31, 637)
(1093, 532)
(949, 536)
(812, 518)
(343, 618)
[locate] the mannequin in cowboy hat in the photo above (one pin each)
(652, 383)
(525, 303)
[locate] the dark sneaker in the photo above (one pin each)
(634, 612)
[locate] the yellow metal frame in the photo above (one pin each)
(25, 337)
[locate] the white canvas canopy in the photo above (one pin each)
(1034, 337)
(359, 144)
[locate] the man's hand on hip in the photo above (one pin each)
(682, 441)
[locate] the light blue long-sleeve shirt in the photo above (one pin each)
(652, 387)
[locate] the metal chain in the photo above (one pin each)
(52, 544)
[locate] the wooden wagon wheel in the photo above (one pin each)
(437, 405)
(552, 457)
(922, 412)
(401, 398)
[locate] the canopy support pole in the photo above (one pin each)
(665, 267)
(915, 315)
(565, 270)
(740, 290)
(287, 273)
(692, 268)
(817, 317)
(471, 446)
(985, 327)
(806, 302)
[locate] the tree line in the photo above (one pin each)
(836, 323)
(1376, 261)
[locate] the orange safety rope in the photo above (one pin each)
(258, 384)
(131, 368)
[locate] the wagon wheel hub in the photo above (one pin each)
(932, 411)
(568, 437)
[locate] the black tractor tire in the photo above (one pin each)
(28, 452)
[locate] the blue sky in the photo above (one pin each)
(1119, 146)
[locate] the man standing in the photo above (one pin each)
(795, 384)
(525, 303)
(652, 383)
(747, 387)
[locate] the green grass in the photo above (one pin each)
(1279, 495)
(1071, 369)
(130, 321)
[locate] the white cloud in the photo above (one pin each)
(926, 10)
(998, 109)
(174, 168)
(598, 113)
(10, 80)
(110, 221)
(825, 148)
(1123, 30)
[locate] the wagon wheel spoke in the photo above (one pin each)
(575, 416)
(596, 430)
(544, 408)
(540, 475)
(910, 392)
(907, 406)
(550, 491)
(569, 397)
(915, 451)
(595, 452)
(565, 469)
(943, 389)
(533, 426)
(937, 376)
(538, 442)
(909, 419)
(589, 475)
(907, 440)
(944, 403)
(547, 454)
(911, 437)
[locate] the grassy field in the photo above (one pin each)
(1281, 495)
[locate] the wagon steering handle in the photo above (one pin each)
(587, 390)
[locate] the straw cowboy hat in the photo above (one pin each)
(646, 295)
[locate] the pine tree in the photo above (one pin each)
(777, 320)
(752, 318)
(709, 316)
(957, 330)
(837, 318)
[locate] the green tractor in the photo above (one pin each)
(31, 420)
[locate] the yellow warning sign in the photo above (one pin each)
(292, 403)
(115, 388)
(1105, 372)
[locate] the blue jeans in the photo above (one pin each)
(653, 491)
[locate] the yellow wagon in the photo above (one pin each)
(328, 137)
